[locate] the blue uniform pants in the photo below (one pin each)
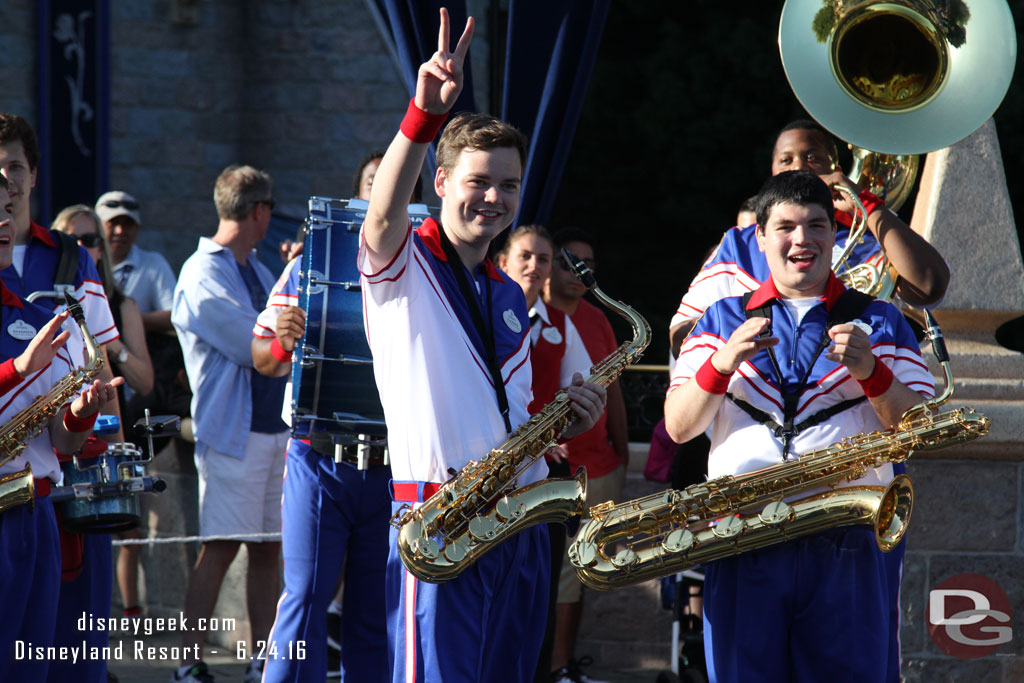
(819, 608)
(485, 626)
(29, 584)
(89, 593)
(331, 512)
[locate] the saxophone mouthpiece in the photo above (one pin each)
(934, 333)
(579, 268)
(74, 308)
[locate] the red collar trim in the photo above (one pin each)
(9, 298)
(429, 231)
(767, 291)
(42, 234)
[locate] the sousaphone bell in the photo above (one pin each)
(898, 77)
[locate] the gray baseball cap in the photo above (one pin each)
(110, 205)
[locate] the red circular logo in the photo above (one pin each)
(969, 616)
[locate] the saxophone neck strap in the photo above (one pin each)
(848, 306)
(486, 331)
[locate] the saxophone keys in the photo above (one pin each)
(729, 527)
(427, 547)
(483, 529)
(625, 558)
(776, 513)
(678, 541)
(455, 552)
(583, 554)
(507, 509)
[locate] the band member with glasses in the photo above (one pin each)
(449, 336)
(795, 610)
(240, 436)
(603, 451)
(35, 359)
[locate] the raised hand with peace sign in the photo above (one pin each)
(439, 80)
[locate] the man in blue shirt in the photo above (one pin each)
(240, 436)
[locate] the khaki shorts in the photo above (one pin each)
(242, 496)
(599, 490)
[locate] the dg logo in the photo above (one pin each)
(969, 616)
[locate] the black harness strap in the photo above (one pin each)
(486, 331)
(67, 263)
(848, 306)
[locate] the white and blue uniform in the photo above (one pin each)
(442, 411)
(737, 266)
(91, 590)
(795, 610)
(332, 514)
(30, 558)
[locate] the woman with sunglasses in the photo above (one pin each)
(128, 355)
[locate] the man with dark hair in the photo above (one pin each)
(32, 347)
(795, 610)
(603, 451)
(736, 266)
(448, 332)
(35, 266)
(240, 437)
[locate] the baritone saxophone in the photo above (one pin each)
(668, 532)
(30, 421)
(481, 506)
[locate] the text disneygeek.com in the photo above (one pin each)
(124, 626)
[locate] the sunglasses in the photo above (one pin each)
(90, 240)
(588, 262)
(119, 204)
(268, 202)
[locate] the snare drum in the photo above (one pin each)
(332, 373)
(107, 499)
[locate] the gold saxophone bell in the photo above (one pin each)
(17, 489)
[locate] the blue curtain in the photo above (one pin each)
(552, 47)
(414, 25)
(550, 54)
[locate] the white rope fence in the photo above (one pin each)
(158, 540)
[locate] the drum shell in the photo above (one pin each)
(107, 514)
(338, 396)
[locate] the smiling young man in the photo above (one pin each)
(448, 332)
(794, 611)
(736, 266)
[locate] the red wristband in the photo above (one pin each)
(711, 380)
(878, 382)
(9, 377)
(79, 424)
(870, 202)
(278, 352)
(421, 126)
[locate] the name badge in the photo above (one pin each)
(21, 330)
(509, 316)
(551, 335)
(863, 326)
